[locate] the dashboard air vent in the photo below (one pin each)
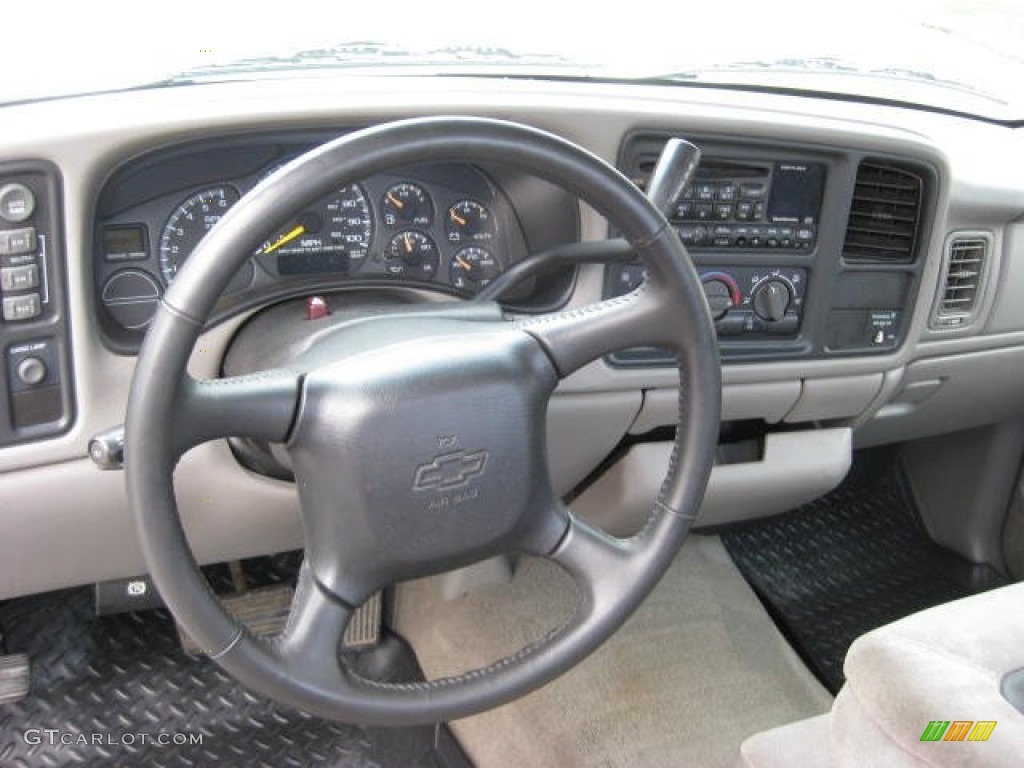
(884, 215)
(966, 259)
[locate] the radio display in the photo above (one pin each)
(796, 193)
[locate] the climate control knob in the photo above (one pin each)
(721, 292)
(771, 299)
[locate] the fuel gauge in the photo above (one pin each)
(406, 203)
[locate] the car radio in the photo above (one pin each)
(772, 205)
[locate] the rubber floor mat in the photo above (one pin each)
(107, 691)
(847, 563)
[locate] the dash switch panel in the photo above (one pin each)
(34, 334)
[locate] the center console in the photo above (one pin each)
(802, 253)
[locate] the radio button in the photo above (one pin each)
(744, 211)
(703, 211)
(752, 191)
(693, 235)
(723, 212)
(727, 191)
(705, 191)
(684, 210)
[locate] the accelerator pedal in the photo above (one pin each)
(363, 630)
(14, 677)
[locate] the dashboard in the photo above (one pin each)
(864, 265)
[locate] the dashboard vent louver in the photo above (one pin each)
(966, 258)
(884, 215)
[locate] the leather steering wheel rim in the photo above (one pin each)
(169, 412)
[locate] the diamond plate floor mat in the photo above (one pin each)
(847, 563)
(119, 691)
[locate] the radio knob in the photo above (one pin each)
(771, 299)
(720, 296)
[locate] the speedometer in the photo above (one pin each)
(332, 236)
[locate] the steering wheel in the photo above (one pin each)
(418, 442)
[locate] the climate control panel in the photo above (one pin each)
(747, 303)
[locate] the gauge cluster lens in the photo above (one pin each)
(333, 236)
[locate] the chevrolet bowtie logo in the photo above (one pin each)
(450, 470)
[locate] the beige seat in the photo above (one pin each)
(959, 662)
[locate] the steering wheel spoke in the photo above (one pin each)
(600, 563)
(311, 638)
(575, 337)
(260, 406)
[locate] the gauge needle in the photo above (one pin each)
(395, 201)
(457, 219)
(408, 244)
(464, 264)
(287, 237)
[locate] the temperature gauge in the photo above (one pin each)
(472, 268)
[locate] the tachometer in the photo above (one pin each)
(189, 223)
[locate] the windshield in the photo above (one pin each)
(961, 55)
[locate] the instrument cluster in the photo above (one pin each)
(445, 228)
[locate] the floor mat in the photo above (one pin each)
(696, 670)
(106, 691)
(850, 562)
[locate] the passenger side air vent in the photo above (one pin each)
(965, 263)
(884, 215)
